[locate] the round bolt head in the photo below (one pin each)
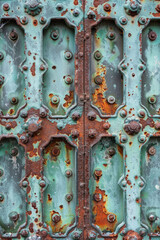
(1, 80)
(98, 55)
(23, 114)
(60, 125)
(55, 35)
(42, 113)
(141, 113)
(98, 172)
(124, 66)
(59, 7)
(14, 216)
(91, 235)
(68, 173)
(1, 56)
(56, 218)
(141, 67)
(69, 197)
(111, 100)
(55, 151)
(25, 184)
(76, 12)
(132, 128)
(142, 232)
(152, 151)
(76, 116)
(92, 133)
(44, 233)
(107, 7)
(123, 138)
(91, 116)
(111, 151)
(25, 68)
(76, 235)
(123, 20)
(157, 125)
(13, 35)
(24, 139)
(124, 183)
(123, 113)
(152, 100)
(98, 80)
(55, 99)
(14, 151)
(141, 184)
(24, 233)
(68, 55)
(1, 197)
(97, 197)
(74, 133)
(1, 172)
(142, 138)
(152, 35)
(111, 35)
(6, 7)
(42, 183)
(68, 79)
(142, 20)
(111, 218)
(43, 20)
(106, 125)
(8, 126)
(14, 100)
(91, 15)
(24, 20)
(33, 127)
(152, 217)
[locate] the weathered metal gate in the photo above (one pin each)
(79, 121)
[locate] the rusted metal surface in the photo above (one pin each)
(79, 120)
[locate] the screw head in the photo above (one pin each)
(56, 218)
(152, 35)
(24, 233)
(152, 100)
(123, 20)
(68, 79)
(76, 116)
(69, 197)
(91, 15)
(68, 55)
(60, 125)
(55, 35)
(152, 151)
(123, 138)
(141, 67)
(42, 113)
(59, 7)
(142, 139)
(55, 99)
(97, 197)
(98, 80)
(124, 66)
(1, 172)
(55, 151)
(92, 133)
(23, 114)
(111, 35)
(25, 68)
(124, 183)
(151, 217)
(1, 197)
(14, 100)
(111, 100)
(68, 173)
(6, 7)
(13, 35)
(8, 126)
(24, 20)
(98, 172)
(1, 80)
(106, 125)
(111, 218)
(24, 184)
(141, 113)
(107, 7)
(98, 55)
(14, 216)
(42, 183)
(142, 20)
(43, 20)
(123, 113)
(111, 151)
(1, 56)
(76, 12)
(74, 133)
(14, 151)
(141, 184)
(91, 116)
(24, 139)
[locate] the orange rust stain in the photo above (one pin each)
(35, 22)
(105, 165)
(34, 153)
(64, 12)
(101, 213)
(75, 2)
(96, 3)
(69, 99)
(11, 111)
(120, 150)
(147, 122)
(156, 14)
(61, 207)
(49, 198)
(33, 69)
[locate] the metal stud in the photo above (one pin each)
(76, 12)
(43, 20)
(98, 55)
(98, 172)
(6, 7)
(157, 125)
(14, 216)
(14, 151)
(152, 151)
(142, 138)
(55, 151)
(91, 116)
(42, 113)
(23, 114)
(141, 184)
(42, 183)
(107, 7)
(76, 116)
(13, 35)
(14, 100)
(98, 80)
(111, 218)
(111, 35)
(123, 138)
(123, 113)
(24, 139)
(59, 7)
(68, 173)
(68, 79)
(123, 20)
(141, 113)
(111, 100)
(24, 184)
(151, 217)
(92, 133)
(152, 35)
(24, 232)
(68, 55)
(97, 197)
(124, 183)
(106, 125)
(74, 133)
(152, 100)
(142, 232)
(24, 20)
(55, 35)
(141, 67)
(142, 20)
(76, 235)
(69, 197)
(55, 99)
(56, 218)
(60, 125)
(91, 15)
(111, 151)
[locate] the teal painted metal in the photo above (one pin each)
(79, 122)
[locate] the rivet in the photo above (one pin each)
(55, 35)
(142, 20)
(59, 7)
(98, 80)
(98, 172)
(152, 35)
(24, 20)
(13, 35)
(25, 68)
(14, 100)
(141, 184)
(1, 197)
(123, 20)
(74, 133)
(123, 113)
(124, 183)
(76, 116)
(158, 7)
(142, 232)
(111, 100)
(14, 151)
(55, 99)
(111, 218)
(68, 173)
(132, 128)
(98, 55)
(24, 184)
(111, 35)
(76, 12)
(55, 151)
(157, 126)
(1, 56)
(42, 113)
(106, 125)
(92, 133)
(91, 116)
(1, 80)
(23, 114)
(152, 100)
(91, 14)
(43, 20)
(44, 233)
(42, 67)
(6, 7)
(24, 139)
(142, 138)
(14, 216)
(111, 151)
(124, 232)
(141, 67)
(152, 151)
(97, 197)
(42, 183)
(123, 138)
(124, 66)
(1, 172)
(60, 125)
(69, 197)
(68, 79)
(8, 126)
(68, 55)
(107, 7)
(141, 113)
(152, 217)
(76, 235)
(56, 218)
(24, 233)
